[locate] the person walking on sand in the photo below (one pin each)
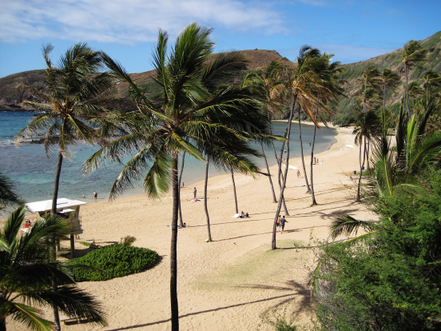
(282, 223)
(195, 192)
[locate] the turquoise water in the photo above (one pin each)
(33, 173)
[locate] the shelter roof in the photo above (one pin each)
(45, 205)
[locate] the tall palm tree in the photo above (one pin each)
(180, 121)
(367, 91)
(389, 80)
(412, 53)
(70, 103)
(270, 86)
(71, 99)
(232, 156)
(328, 73)
(302, 81)
(366, 131)
(431, 79)
(366, 86)
(8, 197)
(27, 274)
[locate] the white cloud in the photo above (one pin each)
(128, 21)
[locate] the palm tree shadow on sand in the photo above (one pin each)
(291, 285)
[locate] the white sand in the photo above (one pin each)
(228, 284)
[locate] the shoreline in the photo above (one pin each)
(230, 283)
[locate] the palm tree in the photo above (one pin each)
(232, 156)
(389, 80)
(270, 86)
(431, 79)
(412, 53)
(180, 121)
(415, 91)
(302, 81)
(366, 131)
(27, 274)
(327, 72)
(366, 91)
(7, 195)
(70, 104)
(74, 88)
(391, 176)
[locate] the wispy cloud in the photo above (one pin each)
(128, 21)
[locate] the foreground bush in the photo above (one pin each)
(116, 260)
(392, 280)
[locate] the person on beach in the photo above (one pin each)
(95, 195)
(298, 173)
(195, 192)
(282, 223)
(278, 221)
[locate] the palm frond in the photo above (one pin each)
(348, 225)
(28, 316)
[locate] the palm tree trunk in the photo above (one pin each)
(2, 324)
(361, 168)
(279, 171)
(57, 325)
(280, 176)
(279, 205)
(57, 182)
(173, 249)
(308, 189)
(268, 171)
(367, 147)
(407, 90)
(181, 222)
(234, 190)
(206, 199)
(311, 165)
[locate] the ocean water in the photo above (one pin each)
(32, 172)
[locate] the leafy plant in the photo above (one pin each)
(128, 240)
(114, 261)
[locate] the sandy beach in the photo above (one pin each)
(232, 282)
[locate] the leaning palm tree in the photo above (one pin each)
(27, 273)
(74, 89)
(270, 87)
(412, 53)
(232, 156)
(181, 120)
(302, 80)
(70, 103)
(328, 72)
(8, 197)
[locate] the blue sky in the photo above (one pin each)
(353, 30)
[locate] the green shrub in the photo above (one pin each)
(116, 260)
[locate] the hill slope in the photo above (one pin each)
(11, 97)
